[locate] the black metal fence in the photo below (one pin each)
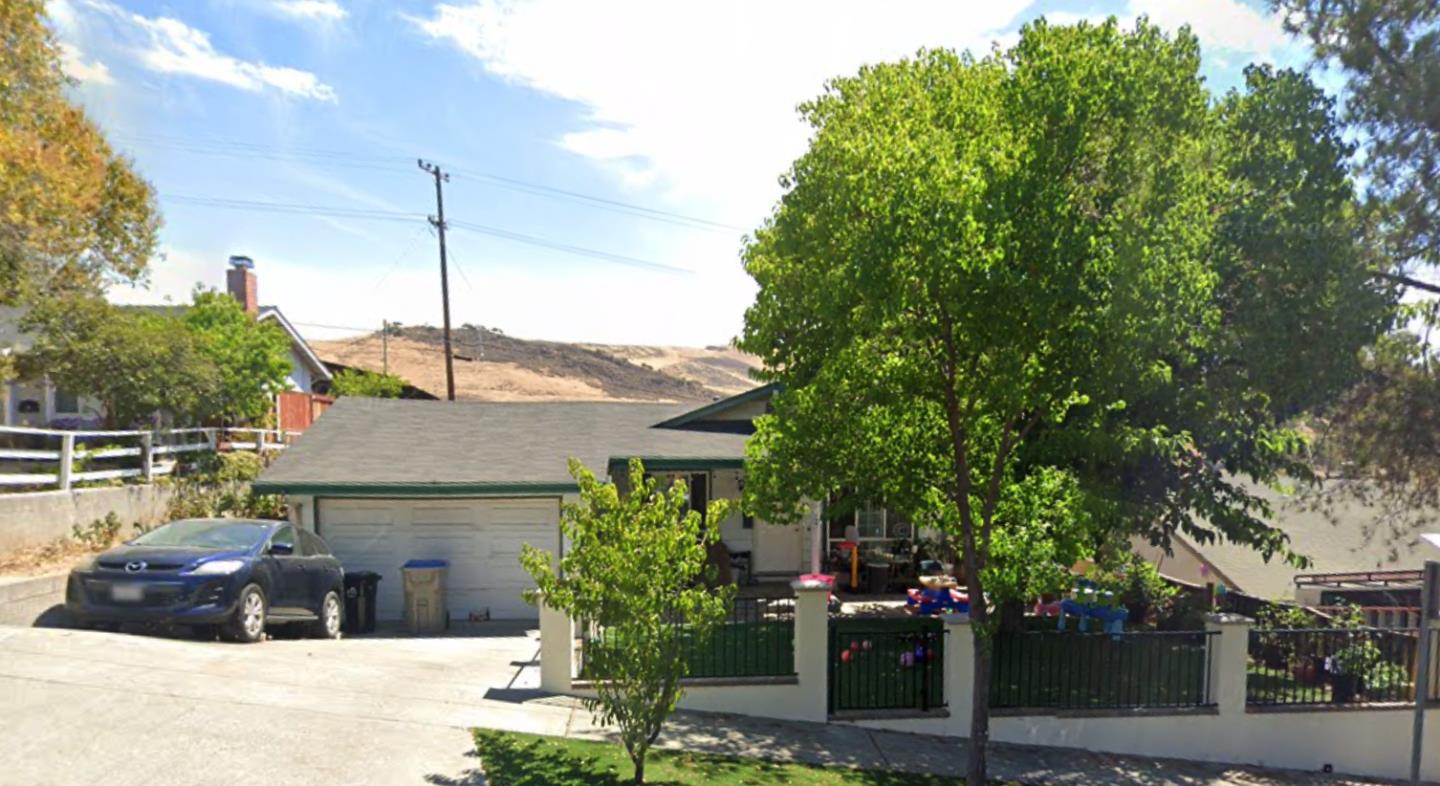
(886, 665)
(757, 639)
(1332, 666)
(1060, 670)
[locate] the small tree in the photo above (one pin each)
(136, 363)
(359, 382)
(635, 568)
(253, 358)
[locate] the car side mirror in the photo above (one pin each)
(282, 549)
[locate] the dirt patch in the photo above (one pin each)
(50, 558)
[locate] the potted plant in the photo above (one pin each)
(1357, 659)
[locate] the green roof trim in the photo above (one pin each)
(678, 463)
(718, 406)
(361, 489)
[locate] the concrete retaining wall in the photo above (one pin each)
(33, 601)
(39, 517)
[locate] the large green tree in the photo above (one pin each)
(1047, 280)
(1385, 431)
(74, 215)
(253, 357)
(636, 569)
(1388, 52)
(135, 362)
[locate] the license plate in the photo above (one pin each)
(127, 592)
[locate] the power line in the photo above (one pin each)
(391, 215)
(620, 259)
(236, 149)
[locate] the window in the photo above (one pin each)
(314, 546)
(870, 520)
(284, 536)
(66, 403)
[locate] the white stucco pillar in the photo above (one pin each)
(812, 648)
(557, 649)
(1229, 659)
(959, 672)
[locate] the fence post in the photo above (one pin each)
(557, 649)
(1229, 661)
(812, 648)
(67, 458)
(147, 456)
(959, 672)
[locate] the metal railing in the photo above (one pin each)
(1336, 666)
(879, 667)
(756, 639)
(65, 457)
(1143, 669)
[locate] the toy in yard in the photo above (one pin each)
(1111, 617)
(937, 594)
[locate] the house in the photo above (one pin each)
(385, 481)
(1356, 552)
(38, 404)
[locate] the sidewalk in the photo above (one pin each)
(851, 746)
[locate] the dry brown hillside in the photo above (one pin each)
(492, 366)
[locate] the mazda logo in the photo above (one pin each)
(134, 567)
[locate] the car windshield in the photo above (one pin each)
(205, 534)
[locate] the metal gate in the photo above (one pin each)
(881, 664)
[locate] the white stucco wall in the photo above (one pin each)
(1358, 740)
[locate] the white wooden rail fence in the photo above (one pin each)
(155, 451)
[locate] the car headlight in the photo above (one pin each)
(86, 566)
(217, 567)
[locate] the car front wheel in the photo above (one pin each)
(328, 626)
(248, 623)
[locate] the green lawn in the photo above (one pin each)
(1264, 685)
(511, 759)
(743, 649)
(1072, 670)
(886, 663)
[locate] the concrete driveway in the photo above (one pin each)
(81, 707)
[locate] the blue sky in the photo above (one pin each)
(682, 110)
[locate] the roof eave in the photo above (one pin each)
(415, 489)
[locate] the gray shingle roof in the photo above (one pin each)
(404, 445)
(1340, 537)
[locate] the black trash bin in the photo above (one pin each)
(879, 575)
(360, 590)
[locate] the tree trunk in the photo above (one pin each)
(975, 774)
(639, 762)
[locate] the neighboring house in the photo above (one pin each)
(385, 481)
(1340, 536)
(37, 403)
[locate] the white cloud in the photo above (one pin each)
(1222, 24)
(94, 72)
(699, 99)
(170, 46)
(1229, 26)
(323, 11)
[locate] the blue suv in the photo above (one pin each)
(238, 574)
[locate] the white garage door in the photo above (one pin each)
(480, 538)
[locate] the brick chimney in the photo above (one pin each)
(240, 281)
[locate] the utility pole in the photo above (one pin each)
(438, 221)
(385, 345)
